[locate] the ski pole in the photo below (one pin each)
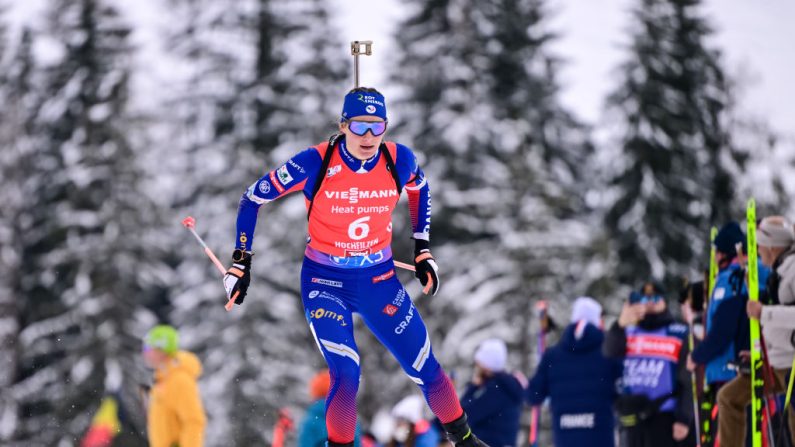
(411, 268)
(787, 408)
(190, 223)
(543, 328)
(694, 385)
(789, 385)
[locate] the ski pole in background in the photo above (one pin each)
(543, 328)
(190, 223)
(713, 265)
(757, 378)
(708, 406)
(694, 384)
(356, 51)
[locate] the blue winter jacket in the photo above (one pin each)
(493, 409)
(581, 385)
(727, 323)
(312, 432)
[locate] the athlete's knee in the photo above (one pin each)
(430, 374)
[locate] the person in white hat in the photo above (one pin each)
(579, 381)
(411, 427)
(776, 241)
(493, 400)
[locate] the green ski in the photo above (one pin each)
(757, 381)
(708, 396)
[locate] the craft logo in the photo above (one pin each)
(405, 323)
(390, 310)
(297, 167)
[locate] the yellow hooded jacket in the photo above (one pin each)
(176, 416)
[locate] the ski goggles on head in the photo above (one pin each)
(361, 127)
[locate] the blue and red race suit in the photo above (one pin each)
(348, 268)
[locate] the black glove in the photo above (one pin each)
(425, 268)
(238, 276)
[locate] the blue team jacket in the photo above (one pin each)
(581, 385)
(727, 323)
(493, 409)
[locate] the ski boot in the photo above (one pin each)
(461, 435)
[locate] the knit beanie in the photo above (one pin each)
(409, 408)
(164, 338)
(588, 309)
(728, 237)
(492, 354)
(775, 231)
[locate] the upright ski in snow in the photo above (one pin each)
(757, 381)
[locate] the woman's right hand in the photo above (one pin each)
(631, 314)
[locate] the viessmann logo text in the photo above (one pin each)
(353, 195)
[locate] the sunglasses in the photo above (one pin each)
(648, 299)
(361, 127)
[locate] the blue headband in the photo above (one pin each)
(363, 104)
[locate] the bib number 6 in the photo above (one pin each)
(358, 229)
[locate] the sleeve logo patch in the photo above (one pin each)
(284, 175)
(264, 187)
(333, 170)
(719, 293)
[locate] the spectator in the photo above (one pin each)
(493, 399)
(411, 428)
(175, 414)
(312, 432)
(776, 248)
(655, 407)
(579, 381)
